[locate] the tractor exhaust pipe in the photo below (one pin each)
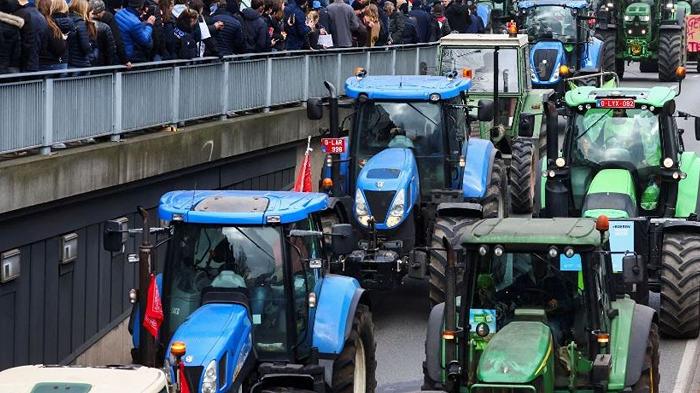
(450, 334)
(556, 191)
(334, 131)
(147, 344)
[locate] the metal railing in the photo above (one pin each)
(38, 110)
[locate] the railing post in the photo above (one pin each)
(338, 71)
(417, 70)
(367, 63)
(393, 61)
(268, 85)
(176, 96)
(224, 92)
(47, 140)
(117, 110)
(306, 77)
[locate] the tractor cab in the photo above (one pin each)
(560, 33)
(240, 290)
(535, 312)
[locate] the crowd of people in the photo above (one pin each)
(40, 35)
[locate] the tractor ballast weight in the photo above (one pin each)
(649, 32)
(246, 303)
(537, 313)
(623, 157)
(408, 165)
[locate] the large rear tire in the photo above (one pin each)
(354, 371)
(523, 176)
(494, 205)
(670, 56)
(608, 61)
(680, 285)
(649, 380)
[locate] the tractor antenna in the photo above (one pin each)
(194, 193)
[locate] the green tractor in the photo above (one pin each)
(646, 31)
(498, 67)
(538, 313)
(623, 157)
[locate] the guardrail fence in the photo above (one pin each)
(37, 113)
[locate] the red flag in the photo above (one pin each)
(303, 180)
(184, 385)
(154, 308)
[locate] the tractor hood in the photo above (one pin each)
(518, 353)
(385, 176)
(212, 332)
(545, 58)
(612, 192)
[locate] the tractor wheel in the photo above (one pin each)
(670, 56)
(447, 227)
(648, 66)
(496, 203)
(608, 62)
(649, 380)
(680, 285)
(354, 369)
(523, 176)
(620, 68)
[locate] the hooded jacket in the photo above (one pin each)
(457, 15)
(34, 32)
(257, 39)
(135, 34)
(79, 46)
(295, 26)
(229, 40)
(185, 45)
(422, 21)
(10, 41)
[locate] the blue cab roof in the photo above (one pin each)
(571, 4)
(229, 207)
(405, 87)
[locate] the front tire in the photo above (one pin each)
(354, 371)
(680, 286)
(523, 176)
(649, 380)
(496, 203)
(670, 55)
(448, 227)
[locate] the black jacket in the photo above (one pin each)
(53, 50)
(410, 33)
(35, 32)
(274, 31)
(108, 18)
(229, 40)
(257, 39)
(422, 23)
(10, 42)
(457, 16)
(79, 46)
(185, 44)
(170, 41)
(397, 25)
(106, 53)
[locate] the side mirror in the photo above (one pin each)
(633, 269)
(485, 111)
(697, 128)
(314, 109)
(526, 128)
(342, 240)
(114, 237)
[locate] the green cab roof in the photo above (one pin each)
(533, 231)
(656, 96)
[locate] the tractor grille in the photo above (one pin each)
(379, 202)
(194, 374)
(545, 60)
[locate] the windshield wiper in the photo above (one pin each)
(593, 125)
(423, 114)
(255, 244)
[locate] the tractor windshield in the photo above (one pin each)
(629, 136)
(480, 61)
(551, 21)
(249, 259)
(413, 125)
(521, 281)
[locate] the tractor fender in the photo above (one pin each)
(337, 302)
(342, 205)
(593, 55)
(688, 201)
(433, 342)
(681, 225)
(642, 318)
(670, 27)
(450, 209)
(480, 154)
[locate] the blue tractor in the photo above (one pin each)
(247, 305)
(561, 41)
(408, 174)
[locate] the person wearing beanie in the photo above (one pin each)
(136, 34)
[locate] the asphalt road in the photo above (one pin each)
(400, 316)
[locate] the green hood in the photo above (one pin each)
(518, 353)
(611, 193)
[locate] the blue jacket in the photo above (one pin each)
(422, 23)
(295, 26)
(135, 34)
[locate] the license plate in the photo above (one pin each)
(333, 145)
(616, 103)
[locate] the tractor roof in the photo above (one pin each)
(110, 379)
(533, 231)
(240, 207)
(413, 87)
(563, 3)
(656, 96)
(484, 40)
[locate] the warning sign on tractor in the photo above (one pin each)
(693, 31)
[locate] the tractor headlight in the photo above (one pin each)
(482, 329)
(668, 162)
(669, 5)
(397, 209)
(533, 76)
(360, 204)
(628, 18)
(209, 379)
(644, 18)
